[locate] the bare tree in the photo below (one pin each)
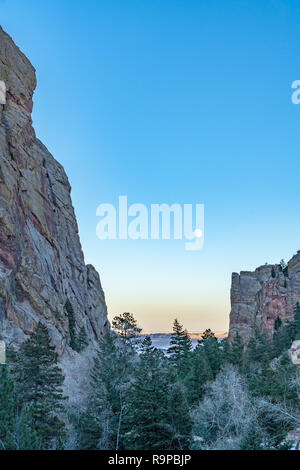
(225, 414)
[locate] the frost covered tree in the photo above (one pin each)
(225, 414)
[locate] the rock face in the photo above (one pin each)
(259, 297)
(41, 260)
(295, 352)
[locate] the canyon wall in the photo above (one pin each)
(259, 297)
(41, 260)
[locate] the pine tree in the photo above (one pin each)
(207, 334)
(125, 325)
(39, 385)
(261, 380)
(237, 352)
(97, 424)
(7, 409)
(226, 351)
(73, 339)
(147, 417)
(282, 339)
(286, 271)
(179, 417)
(295, 326)
(213, 353)
(273, 272)
(82, 339)
(277, 323)
(101, 424)
(199, 375)
(284, 388)
(179, 351)
(282, 264)
(16, 428)
(25, 435)
(212, 350)
(284, 335)
(275, 383)
(259, 349)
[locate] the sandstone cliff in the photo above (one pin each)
(41, 260)
(259, 297)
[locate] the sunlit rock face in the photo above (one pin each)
(2, 92)
(259, 297)
(295, 352)
(41, 260)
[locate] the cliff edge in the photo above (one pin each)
(41, 260)
(259, 297)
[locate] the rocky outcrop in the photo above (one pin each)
(259, 297)
(41, 260)
(295, 352)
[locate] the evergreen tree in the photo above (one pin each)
(259, 349)
(277, 323)
(96, 423)
(284, 335)
(277, 384)
(237, 352)
(82, 339)
(286, 271)
(178, 416)
(294, 326)
(284, 388)
(179, 351)
(200, 373)
(213, 353)
(282, 339)
(261, 380)
(226, 351)
(282, 264)
(207, 334)
(73, 339)
(25, 435)
(148, 420)
(273, 272)
(102, 423)
(7, 409)
(125, 325)
(39, 385)
(16, 430)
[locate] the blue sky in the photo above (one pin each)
(172, 101)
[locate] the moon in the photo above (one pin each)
(198, 233)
